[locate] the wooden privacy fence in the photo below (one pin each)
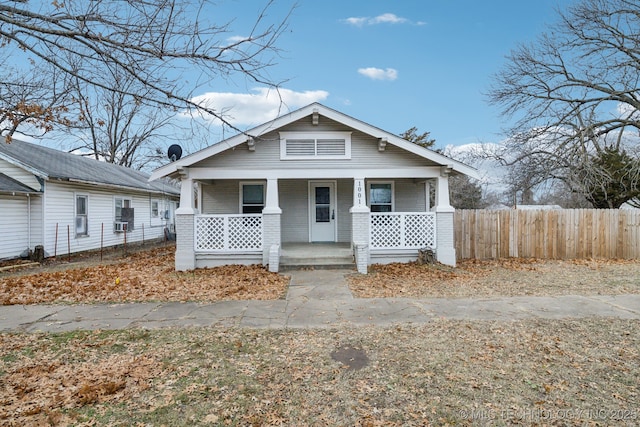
(550, 234)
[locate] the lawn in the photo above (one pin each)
(447, 372)
(534, 372)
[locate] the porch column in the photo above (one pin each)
(271, 240)
(445, 248)
(360, 225)
(185, 223)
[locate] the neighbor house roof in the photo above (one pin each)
(172, 168)
(52, 164)
(10, 185)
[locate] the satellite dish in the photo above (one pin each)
(175, 152)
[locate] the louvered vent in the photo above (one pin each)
(331, 147)
(315, 145)
(300, 147)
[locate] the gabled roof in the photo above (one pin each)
(293, 116)
(10, 185)
(52, 164)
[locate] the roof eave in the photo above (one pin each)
(173, 168)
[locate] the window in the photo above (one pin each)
(123, 214)
(82, 214)
(155, 213)
(251, 197)
(315, 145)
(381, 196)
(121, 203)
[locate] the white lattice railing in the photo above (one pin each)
(215, 233)
(403, 230)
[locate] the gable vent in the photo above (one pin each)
(315, 145)
(330, 147)
(301, 147)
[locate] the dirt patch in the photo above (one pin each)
(146, 275)
(506, 277)
(352, 357)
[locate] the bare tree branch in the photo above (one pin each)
(152, 42)
(575, 101)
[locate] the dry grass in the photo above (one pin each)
(533, 372)
(505, 277)
(143, 276)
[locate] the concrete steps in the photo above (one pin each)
(316, 255)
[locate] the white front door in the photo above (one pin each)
(322, 211)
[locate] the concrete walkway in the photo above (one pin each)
(315, 299)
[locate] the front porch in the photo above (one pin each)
(380, 237)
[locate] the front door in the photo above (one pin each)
(322, 212)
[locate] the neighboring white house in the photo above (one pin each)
(313, 175)
(69, 203)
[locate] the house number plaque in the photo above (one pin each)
(359, 193)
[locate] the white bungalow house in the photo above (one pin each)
(68, 203)
(313, 175)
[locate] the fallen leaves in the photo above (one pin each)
(38, 388)
(444, 372)
(144, 276)
(501, 277)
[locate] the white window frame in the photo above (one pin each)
(241, 194)
(393, 194)
(315, 136)
(157, 208)
(76, 215)
(115, 206)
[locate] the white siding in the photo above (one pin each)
(294, 202)
(19, 174)
(364, 153)
(409, 196)
(221, 197)
(14, 225)
(60, 213)
(345, 202)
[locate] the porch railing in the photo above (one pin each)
(403, 230)
(226, 233)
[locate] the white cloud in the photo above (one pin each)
(260, 106)
(385, 18)
(358, 22)
(378, 73)
(236, 39)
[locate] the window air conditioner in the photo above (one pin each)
(121, 227)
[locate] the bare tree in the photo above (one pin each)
(575, 101)
(33, 101)
(153, 43)
(116, 127)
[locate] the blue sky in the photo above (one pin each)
(392, 64)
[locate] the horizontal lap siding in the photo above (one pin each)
(60, 212)
(19, 174)
(345, 202)
(294, 202)
(409, 196)
(364, 153)
(14, 225)
(221, 197)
